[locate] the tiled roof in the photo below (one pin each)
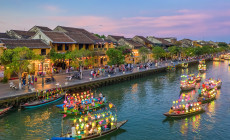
(43, 28)
(58, 37)
(24, 34)
(164, 42)
(117, 37)
(30, 43)
(80, 38)
(133, 43)
(78, 30)
(145, 39)
(4, 35)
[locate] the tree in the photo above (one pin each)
(100, 36)
(18, 60)
(143, 51)
(80, 58)
(126, 50)
(115, 56)
(158, 52)
(174, 50)
(178, 43)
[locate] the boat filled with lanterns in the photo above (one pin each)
(202, 66)
(95, 125)
(188, 82)
(81, 103)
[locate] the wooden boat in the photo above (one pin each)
(4, 110)
(183, 114)
(188, 87)
(202, 70)
(218, 85)
(198, 79)
(206, 100)
(65, 137)
(216, 59)
(39, 103)
(76, 112)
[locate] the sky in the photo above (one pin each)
(193, 19)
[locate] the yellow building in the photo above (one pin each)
(36, 45)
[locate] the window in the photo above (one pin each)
(80, 46)
(59, 47)
(86, 46)
(43, 51)
(66, 47)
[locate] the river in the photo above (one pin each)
(142, 102)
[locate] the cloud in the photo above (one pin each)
(51, 8)
(180, 23)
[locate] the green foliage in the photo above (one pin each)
(158, 52)
(143, 51)
(17, 59)
(80, 58)
(54, 56)
(223, 44)
(115, 56)
(126, 50)
(174, 50)
(100, 36)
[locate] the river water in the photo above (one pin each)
(142, 102)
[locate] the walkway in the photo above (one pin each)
(61, 79)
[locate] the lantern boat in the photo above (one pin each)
(202, 66)
(218, 84)
(94, 136)
(216, 59)
(49, 97)
(4, 110)
(181, 115)
(198, 79)
(185, 110)
(184, 65)
(93, 125)
(75, 111)
(207, 96)
(187, 82)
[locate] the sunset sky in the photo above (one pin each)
(194, 19)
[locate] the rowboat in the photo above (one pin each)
(39, 103)
(218, 84)
(198, 79)
(181, 115)
(4, 110)
(77, 112)
(90, 137)
(188, 87)
(216, 59)
(205, 100)
(86, 102)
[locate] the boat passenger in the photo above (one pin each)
(199, 92)
(171, 110)
(100, 95)
(93, 104)
(73, 131)
(103, 99)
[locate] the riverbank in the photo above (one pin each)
(15, 98)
